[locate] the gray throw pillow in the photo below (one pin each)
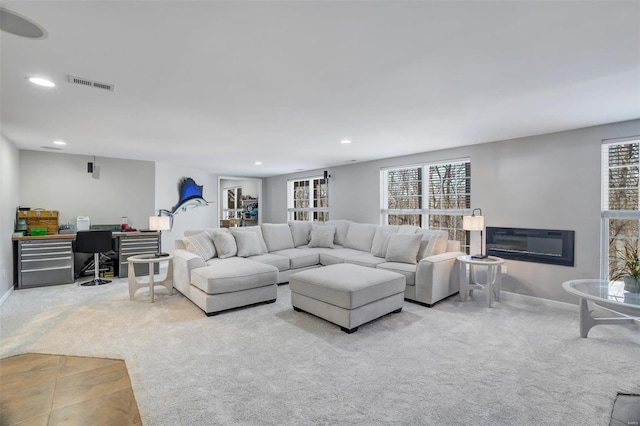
(247, 242)
(225, 244)
(380, 243)
(277, 236)
(433, 242)
(322, 236)
(300, 231)
(403, 248)
(200, 244)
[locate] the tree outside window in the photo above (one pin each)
(308, 199)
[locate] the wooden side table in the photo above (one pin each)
(468, 283)
(151, 260)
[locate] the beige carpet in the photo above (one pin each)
(457, 363)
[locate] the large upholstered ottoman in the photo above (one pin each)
(347, 295)
(232, 283)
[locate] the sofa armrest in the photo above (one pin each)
(183, 263)
(436, 277)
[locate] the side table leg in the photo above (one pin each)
(132, 281)
(464, 283)
(151, 283)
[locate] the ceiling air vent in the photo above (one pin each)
(90, 83)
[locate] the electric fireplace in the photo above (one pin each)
(551, 246)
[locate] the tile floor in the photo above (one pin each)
(39, 389)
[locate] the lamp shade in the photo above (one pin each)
(159, 223)
(473, 223)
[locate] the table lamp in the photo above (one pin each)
(160, 223)
(475, 223)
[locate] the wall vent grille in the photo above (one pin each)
(90, 83)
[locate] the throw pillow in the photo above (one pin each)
(247, 242)
(433, 242)
(300, 231)
(380, 243)
(225, 244)
(200, 244)
(258, 231)
(342, 227)
(322, 236)
(403, 248)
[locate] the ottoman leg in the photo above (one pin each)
(295, 308)
(397, 311)
(349, 330)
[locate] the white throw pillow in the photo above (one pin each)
(258, 231)
(200, 244)
(403, 248)
(342, 227)
(247, 242)
(433, 242)
(322, 236)
(300, 231)
(380, 243)
(225, 244)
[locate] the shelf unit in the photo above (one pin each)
(248, 206)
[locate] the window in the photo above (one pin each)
(620, 205)
(434, 196)
(308, 199)
(232, 207)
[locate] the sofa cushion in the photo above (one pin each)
(338, 256)
(225, 244)
(380, 242)
(300, 231)
(368, 260)
(299, 258)
(248, 243)
(322, 236)
(258, 231)
(360, 236)
(277, 236)
(200, 244)
(233, 274)
(406, 269)
(280, 262)
(433, 242)
(407, 229)
(403, 248)
(342, 227)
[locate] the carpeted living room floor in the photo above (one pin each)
(519, 362)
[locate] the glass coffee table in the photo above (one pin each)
(608, 294)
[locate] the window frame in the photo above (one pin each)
(607, 214)
(313, 212)
(425, 211)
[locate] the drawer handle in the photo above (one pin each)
(46, 259)
(46, 269)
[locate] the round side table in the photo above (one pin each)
(151, 260)
(468, 282)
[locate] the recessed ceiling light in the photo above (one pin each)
(19, 25)
(59, 143)
(345, 141)
(42, 82)
(258, 163)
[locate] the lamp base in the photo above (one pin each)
(161, 254)
(479, 256)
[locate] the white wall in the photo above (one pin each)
(548, 181)
(167, 196)
(9, 200)
(60, 182)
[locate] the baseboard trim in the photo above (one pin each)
(6, 295)
(541, 301)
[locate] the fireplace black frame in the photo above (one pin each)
(564, 238)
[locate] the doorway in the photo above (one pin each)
(240, 201)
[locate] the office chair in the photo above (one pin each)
(95, 242)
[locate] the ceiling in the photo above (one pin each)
(220, 85)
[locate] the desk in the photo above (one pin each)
(49, 259)
(152, 261)
(493, 284)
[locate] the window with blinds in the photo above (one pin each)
(308, 199)
(434, 196)
(620, 203)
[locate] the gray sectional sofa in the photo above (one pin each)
(220, 269)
